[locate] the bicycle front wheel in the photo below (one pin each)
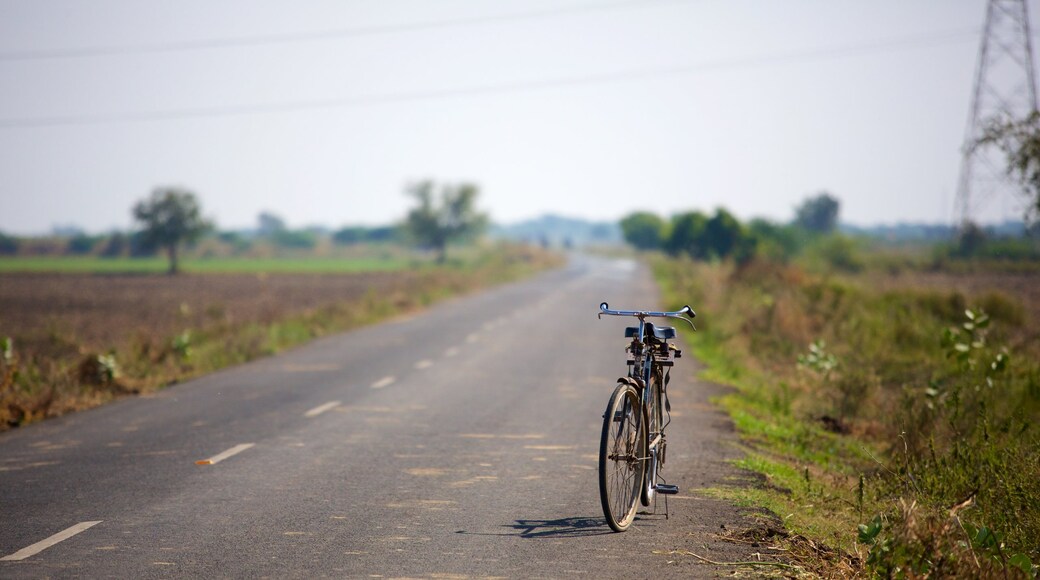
(655, 456)
(621, 457)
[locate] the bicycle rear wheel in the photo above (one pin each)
(621, 457)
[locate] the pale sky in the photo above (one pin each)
(322, 111)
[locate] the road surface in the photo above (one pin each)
(459, 442)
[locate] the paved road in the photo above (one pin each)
(458, 442)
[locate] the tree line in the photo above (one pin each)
(172, 217)
(722, 236)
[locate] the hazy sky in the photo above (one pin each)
(322, 111)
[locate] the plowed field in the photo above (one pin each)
(101, 312)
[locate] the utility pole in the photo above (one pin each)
(1005, 90)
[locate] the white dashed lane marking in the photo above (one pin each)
(44, 544)
(451, 351)
(424, 364)
(224, 455)
(321, 409)
(383, 382)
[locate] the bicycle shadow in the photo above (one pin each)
(574, 527)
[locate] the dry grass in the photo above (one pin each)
(902, 427)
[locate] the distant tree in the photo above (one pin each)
(434, 225)
(350, 235)
(774, 241)
(818, 214)
(723, 234)
(1020, 141)
(170, 217)
(269, 224)
(114, 245)
(82, 243)
(643, 230)
(8, 244)
(140, 246)
(296, 239)
(384, 234)
(687, 235)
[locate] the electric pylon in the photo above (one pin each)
(1005, 90)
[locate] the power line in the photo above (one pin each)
(793, 57)
(312, 36)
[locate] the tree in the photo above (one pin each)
(8, 244)
(454, 218)
(171, 216)
(270, 224)
(643, 230)
(1020, 142)
(687, 235)
(818, 214)
(723, 234)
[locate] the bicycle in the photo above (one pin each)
(632, 446)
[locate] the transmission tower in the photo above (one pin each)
(1005, 90)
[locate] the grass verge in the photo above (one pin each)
(892, 426)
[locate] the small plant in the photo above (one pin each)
(107, 365)
(819, 360)
(7, 350)
(977, 365)
(98, 369)
(8, 368)
(181, 345)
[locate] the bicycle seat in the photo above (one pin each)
(658, 332)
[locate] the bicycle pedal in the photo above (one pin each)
(666, 489)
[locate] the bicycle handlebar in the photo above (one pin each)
(604, 308)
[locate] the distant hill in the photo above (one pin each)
(559, 231)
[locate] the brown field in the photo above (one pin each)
(78, 340)
(102, 312)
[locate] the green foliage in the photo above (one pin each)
(818, 359)
(108, 367)
(835, 252)
(819, 213)
(7, 350)
(8, 244)
(170, 217)
(701, 237)
(358, 234)
(181, 345)
(687, 231)
(295, 239)
(114, 245)
(206, 265)
(434, 225)
(644, 230)
(83, 244)
(1020, 141)
(774, 242)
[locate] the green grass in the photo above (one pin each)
(93, 265)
